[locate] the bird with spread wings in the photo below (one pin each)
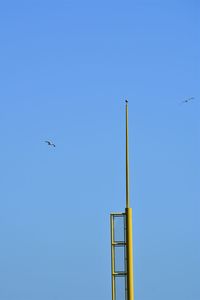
(50, 143)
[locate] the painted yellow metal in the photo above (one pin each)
(128, 242)
(129, 253)
(112, 255)
(127, 160)
(129, 230)
(115, 243)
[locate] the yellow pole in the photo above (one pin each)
(112, 256)
(127, 159)
(129, 247)
(129, 229)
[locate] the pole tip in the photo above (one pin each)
(126, 101)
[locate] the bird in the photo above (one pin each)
(126, 101)
(50, 143)
(187, 100)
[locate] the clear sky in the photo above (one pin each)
(65, 69)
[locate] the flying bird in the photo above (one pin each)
(187, 100)
(50, 143)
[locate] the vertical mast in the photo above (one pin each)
(123, 275)
(129, 230)
(127, 160)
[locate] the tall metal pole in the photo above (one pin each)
(127, 160)
(129, 229)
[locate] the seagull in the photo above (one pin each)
(50, 143)
(187, 100)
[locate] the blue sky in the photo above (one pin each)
(65, 69)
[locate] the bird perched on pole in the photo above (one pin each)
(50, 143)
